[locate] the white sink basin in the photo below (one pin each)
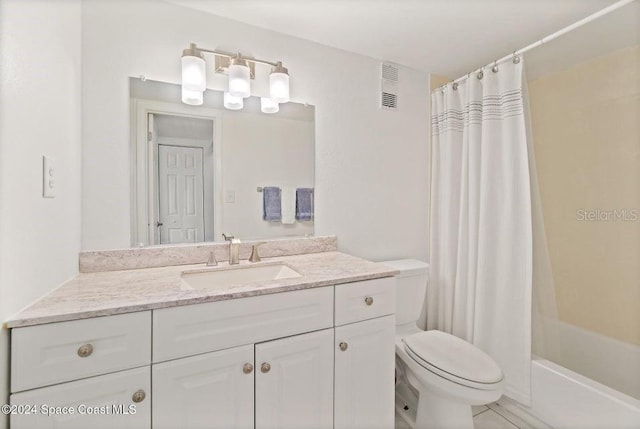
(221, 277)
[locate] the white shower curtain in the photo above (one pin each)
(481, 226)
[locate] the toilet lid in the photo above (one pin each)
(453, 358)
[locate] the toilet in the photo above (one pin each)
(438, 376)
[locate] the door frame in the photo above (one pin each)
(142, 168)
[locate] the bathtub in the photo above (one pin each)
(566, 399)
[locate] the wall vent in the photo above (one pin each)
(389, 86)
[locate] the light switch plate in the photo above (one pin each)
(48, 177)
(230, 197)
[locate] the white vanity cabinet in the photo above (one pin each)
(213, 390)
(113, 401)
(82, 367)
(314, 358)
(365, 354)
(294, 382)
(364, 374)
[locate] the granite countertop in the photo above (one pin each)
(116, 292)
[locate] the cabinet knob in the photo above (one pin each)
(343, 346)
(85, 350)
(368, 300)
(139, 396)
(265, 367)
(247, 368)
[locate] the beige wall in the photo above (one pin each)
(436, 81)
(586, 131)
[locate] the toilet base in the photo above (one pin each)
(436, 411)
(430, 410)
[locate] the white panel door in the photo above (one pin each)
(213, 391)
(103, 402)
(181, 194)
(294, 382)
(364, 374)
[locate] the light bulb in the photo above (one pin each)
(279, 84)
(233, 103)
(267, 105)
(239, 78)
(194, 73)
(193, 98)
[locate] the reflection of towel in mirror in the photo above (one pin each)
(271, 208)
(304, 204)
(288, 206)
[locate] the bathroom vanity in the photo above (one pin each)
(145, 348)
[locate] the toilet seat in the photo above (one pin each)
(453, 359)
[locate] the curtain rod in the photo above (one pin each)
(549, 38)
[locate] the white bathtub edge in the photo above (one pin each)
(564, 399)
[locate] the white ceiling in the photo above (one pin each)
(448, 37)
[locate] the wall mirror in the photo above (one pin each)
(200, 171)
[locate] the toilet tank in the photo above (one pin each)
(410, 288)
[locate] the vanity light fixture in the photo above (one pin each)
(232, 102)
(279, 83)
(194, 75)
(267, 105)
(239, 77)
(194, 79)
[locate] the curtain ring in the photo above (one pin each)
(495, 67)
(516, 58)
(480, 75)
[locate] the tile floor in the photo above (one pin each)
(493, 416)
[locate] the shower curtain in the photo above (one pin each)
(481, 222)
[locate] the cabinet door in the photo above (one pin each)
(106, 401)
(365, 368)
(294, 382)
(213, 390)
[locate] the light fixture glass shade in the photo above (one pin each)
(233, 103)
(239, 78)
(267, 105)
(279, 84)
(193, 98)
(194, 74)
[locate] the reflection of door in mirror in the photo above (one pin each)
(181, 178)
(180, 214)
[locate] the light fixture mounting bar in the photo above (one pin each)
(231, 55)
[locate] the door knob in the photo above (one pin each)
(343, 346)
(265, 367)
(247, 368)
(368, 300)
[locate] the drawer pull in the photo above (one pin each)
(265, 367)
(85, 350)
(139, 396)
(343, 346)
(368, 300)
(247, 368)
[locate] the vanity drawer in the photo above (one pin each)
(48, 354)
(193, 329)
(365, 300)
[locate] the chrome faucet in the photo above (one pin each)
(234, 249)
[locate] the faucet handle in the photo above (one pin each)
(212, 262)
(227, 237)
(255, 256)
